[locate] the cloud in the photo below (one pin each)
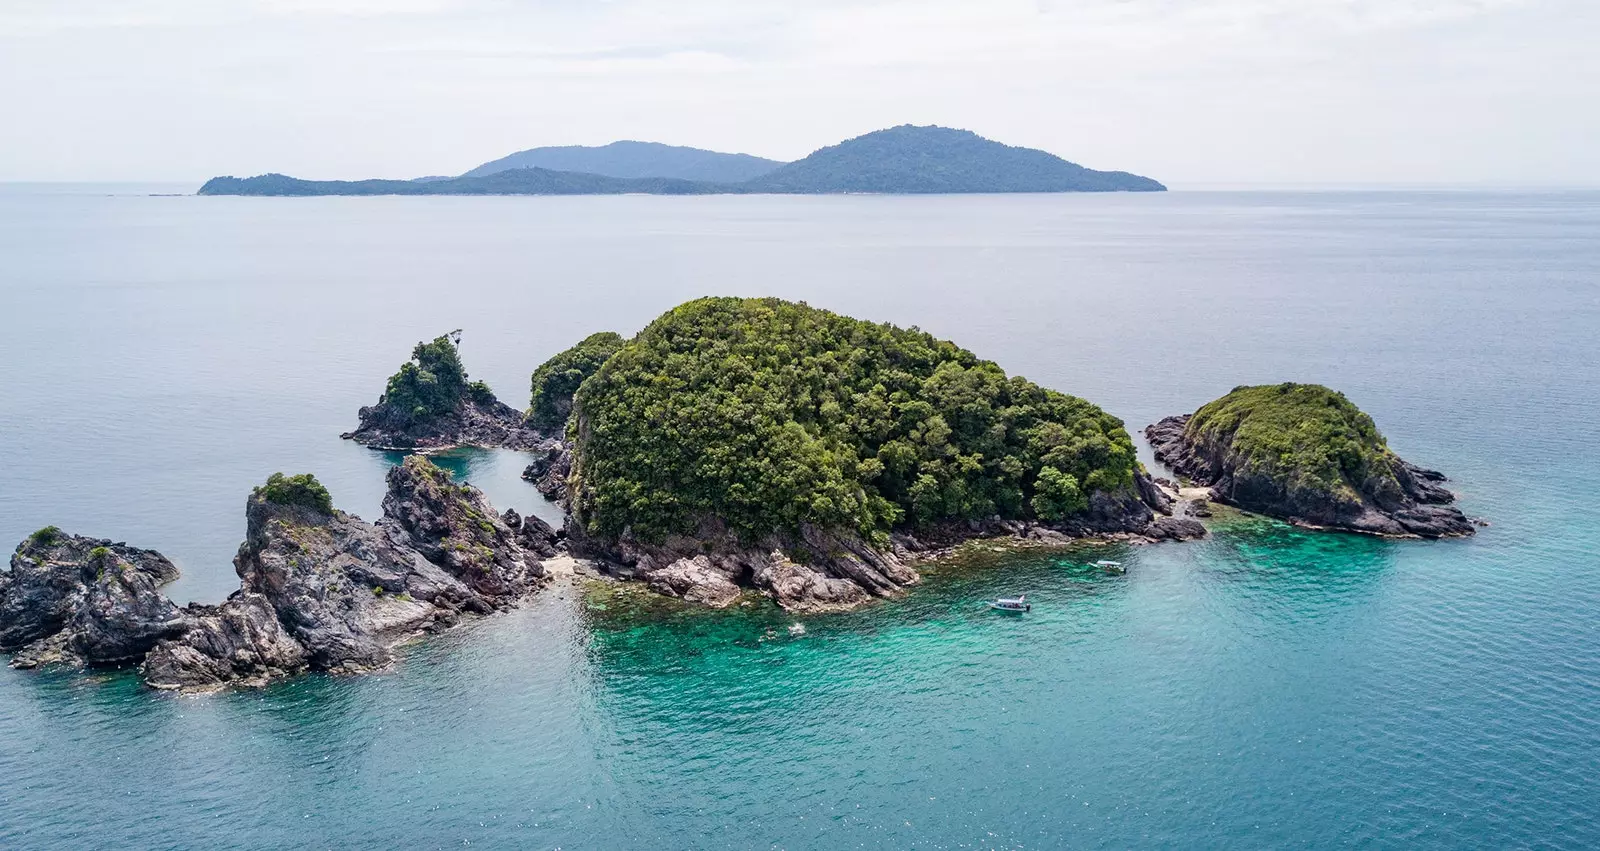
(1187, 89)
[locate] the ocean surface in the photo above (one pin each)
(1266, 688)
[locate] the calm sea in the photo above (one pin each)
(1265, 689)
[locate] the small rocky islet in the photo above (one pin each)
(1306, 454)
(732, 445)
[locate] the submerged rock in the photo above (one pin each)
(1305, 454)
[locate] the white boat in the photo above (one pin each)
(1111, 566)
(1014, 605)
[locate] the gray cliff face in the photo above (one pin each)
(485, 423)
(1411, 504)
(321, 590)
(79, 600)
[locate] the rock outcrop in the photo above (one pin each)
(489, 424)
(429, 404)
(1355, 484)
(453, 526)
(551, 466)
(240, 642)
(321, 589)
(812, 571)
(77, 600)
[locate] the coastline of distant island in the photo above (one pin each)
(905, 160)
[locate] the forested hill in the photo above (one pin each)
(909, 159)
(899, 160)
(636, 159)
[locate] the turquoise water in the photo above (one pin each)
(1265, 688)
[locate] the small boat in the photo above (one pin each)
(1015, 605)
(1111, 566)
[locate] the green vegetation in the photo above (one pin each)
(46, 536)
(99, 553)
(557, 379)
(303, 490)
(1304, 434)
(770, 414)
(434, 383)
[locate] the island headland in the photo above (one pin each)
(1306, 454)
(733, 446)
(898, 160)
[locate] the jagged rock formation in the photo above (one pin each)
(453, 526)
(239, 642)
(550, 469)
(429, 404)
(1305, 454)
(321, 589)
(79, 600)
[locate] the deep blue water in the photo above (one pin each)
(1267, 688)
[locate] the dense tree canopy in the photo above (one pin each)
(770, 414)
(1302, 433)
(557, 379)
(303, 490)
(433, 383)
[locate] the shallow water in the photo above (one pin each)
(1265, 688)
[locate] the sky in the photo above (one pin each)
(1192, 92)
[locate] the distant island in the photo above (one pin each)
(629, 159)
(900, 160)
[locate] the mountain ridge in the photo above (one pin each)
(906, 159)
(628, 158)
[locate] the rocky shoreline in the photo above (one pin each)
(816, 570)
(320, 589)
(491, 425)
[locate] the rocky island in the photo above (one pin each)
(320, 589)
(763, 444)
(1306, 454)
(430, 405)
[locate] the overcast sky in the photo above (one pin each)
(1188, 91)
